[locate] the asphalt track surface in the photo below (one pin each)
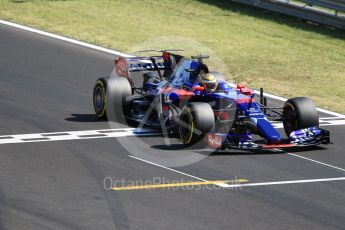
(46, 87)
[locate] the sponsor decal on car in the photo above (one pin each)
(214, 140)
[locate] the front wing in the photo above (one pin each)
(299, 138)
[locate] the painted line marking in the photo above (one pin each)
(309, 159)
(331, 118)
(107, 133)
(237, 183)
(62, 38)
(286, 182)
(112, 131)
(6, 137)
(318, 162)
(35, 139)
(54, 134)
(162, 166)
(327, 121)
(224, 185)
(93, 135)
(181, 184)
(99, 48)
(76, 135)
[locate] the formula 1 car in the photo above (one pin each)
(169, 94)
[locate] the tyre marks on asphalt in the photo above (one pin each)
(113, 201)
(4, 212)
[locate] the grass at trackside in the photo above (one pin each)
(284, 55)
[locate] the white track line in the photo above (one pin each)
(285, 182)
(62, 38)
(309, 159)
(224, 185)
(106, 133)
(324, 121)
(318, 162)
(76, 135)
(174, 170)
(95, 47)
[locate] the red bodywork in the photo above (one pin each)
(183, 94)
(122, 69)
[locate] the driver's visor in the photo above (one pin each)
(210, 85)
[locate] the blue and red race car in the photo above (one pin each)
(180, 95)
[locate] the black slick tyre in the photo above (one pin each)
(195, 121)
(299, 113)
(118, 96)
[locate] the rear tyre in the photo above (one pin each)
(195, 121)
(99, 97)
(118, 102)
(300, 113)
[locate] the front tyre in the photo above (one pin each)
(299, 113)
(195, 121)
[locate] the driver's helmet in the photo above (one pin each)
(209, 82)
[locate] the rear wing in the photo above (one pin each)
(167, 62)
(145, 63)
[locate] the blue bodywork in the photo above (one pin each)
(236, 102)
(182, 79)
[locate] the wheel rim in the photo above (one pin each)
(290, 124)
(99, 99)
(186, 128)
